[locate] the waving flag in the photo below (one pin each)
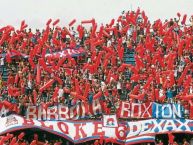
(68, 52)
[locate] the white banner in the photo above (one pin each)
(75, 131)
(81, 131)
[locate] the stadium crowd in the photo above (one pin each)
(36, 138)
(163, 70)
(163, 57)
(43, 138)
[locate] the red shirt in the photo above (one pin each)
(10, 79)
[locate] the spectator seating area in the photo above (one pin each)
(130, 59)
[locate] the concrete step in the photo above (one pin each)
(129, 60)
(4, 71)
(128, 55)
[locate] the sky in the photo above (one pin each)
(37, 12)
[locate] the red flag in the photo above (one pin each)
(23, 27)
(112, 22)
(22, 24)
(156, 94)
(171, 138)
(191, 109)
(38, 75)
(21, 135)
(43, 64)
(59, 80)
(13, 141)
(146, 86)
(31, 62)
(35, 95)
(29, 77)
(49, 21)
(7, 104)
(16, 78)
(47, 85)
(66, 90)
(88, 21)
(136, 89)
(105, 33)
(72, 22)
(94, 30)
(98, 95)
(34, 142)
(120, 52)
(58, 143)
(178, 14)
(55, 94)
(3, 139)
(80, 30)
(138, 97)
(184, 20)
(135, 77)
(76, 96)
(8, 57)
(56, 22)
(86, 90)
